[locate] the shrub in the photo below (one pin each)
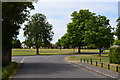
(114, 55)
(9, 70)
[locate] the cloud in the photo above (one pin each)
(58, 12)
(78, 0)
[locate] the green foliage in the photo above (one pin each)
(13, 15)
(116, 42)
(76, 29)
(58, 43)
(9, 70)
(99, 32)
(38, 31)
(28, 43)
(88, 29)
(114, 55)
(64, 41)
(92, 46)
(118, 28)
(16, 43)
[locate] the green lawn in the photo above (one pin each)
(16, 52)
(94, 57)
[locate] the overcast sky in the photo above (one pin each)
(58, 13)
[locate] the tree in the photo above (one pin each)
(38, 31)
(99, 32)
(118, 28)
(76, 29)
(64, 41)
(16, 43)
(13, 15)
(58, 43)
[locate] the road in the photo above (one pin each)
(53, 66)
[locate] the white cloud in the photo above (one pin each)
(58, 13)
(78, 0)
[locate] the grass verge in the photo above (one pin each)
(103, 59)
(9, 70)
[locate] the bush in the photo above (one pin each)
(9, 70)
(116, 42)
(114, 55)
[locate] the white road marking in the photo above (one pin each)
(33, 57)
(23, 59)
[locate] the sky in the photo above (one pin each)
(58, 13)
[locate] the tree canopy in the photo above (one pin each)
(13, 15)
(118, 28)
(76, 29)
(99, 32)
(38, 31)
(16, 43)
(88, 29)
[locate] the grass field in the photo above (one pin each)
(95, 57)
(16, 52)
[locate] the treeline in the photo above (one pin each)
(89, 29)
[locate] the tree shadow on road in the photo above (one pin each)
(43, 69)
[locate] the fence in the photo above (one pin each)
(101, 64)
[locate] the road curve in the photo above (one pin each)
(53, 66)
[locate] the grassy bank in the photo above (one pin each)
(9, 70)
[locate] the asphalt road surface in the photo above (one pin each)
(53, 66)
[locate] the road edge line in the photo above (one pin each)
(89, 68)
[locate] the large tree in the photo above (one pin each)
(76, 29)
(98, 32)
(38, 31)
(13, 15)
(118, 28)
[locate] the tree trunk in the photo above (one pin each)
(100, 52)
(79, 48)
(6, 57)
(60, 47)
(37, 51)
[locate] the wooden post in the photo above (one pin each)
(108, 66)
(117, 68)
(84, 60)
(102, 65)
(81, 60)
(91, 62)
(87, 60)
(96, 63)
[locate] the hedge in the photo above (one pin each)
(114, 55)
